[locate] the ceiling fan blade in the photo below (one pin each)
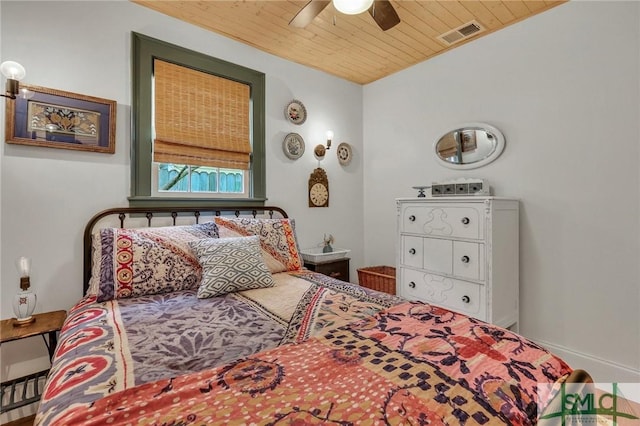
(308, 12)
(384, 14)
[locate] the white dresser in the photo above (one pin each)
(460, 253)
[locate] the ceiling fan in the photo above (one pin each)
(381, 10)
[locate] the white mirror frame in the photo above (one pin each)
(500, 143)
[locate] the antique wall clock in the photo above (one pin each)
(318, 188)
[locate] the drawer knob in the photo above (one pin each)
(466, 299)
(465, 220)
(464, 259)
(412, 284)
(412, 251)
(335, 274)
(412, 218)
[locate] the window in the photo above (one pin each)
(201, 123)
(182, 157)
(186, 180)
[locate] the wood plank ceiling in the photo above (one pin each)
(352, 47)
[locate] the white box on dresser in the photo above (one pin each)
(461, 253)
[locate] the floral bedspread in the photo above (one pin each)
(409, 364)
(115, 345)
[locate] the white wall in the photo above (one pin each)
(566, 99)
(563, 87)
(49, 194)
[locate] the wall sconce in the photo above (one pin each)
(320, 150)
(14, 72)
(24, 302)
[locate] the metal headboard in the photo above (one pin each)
(123, 213)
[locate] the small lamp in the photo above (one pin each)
(320, 149)
(329, 138)
(24, 302)
(14, 72)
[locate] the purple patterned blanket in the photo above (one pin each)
(115, 345)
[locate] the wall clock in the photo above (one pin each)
(293, 146)
(318, 188)
(344, 153)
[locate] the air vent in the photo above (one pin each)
(463, 32)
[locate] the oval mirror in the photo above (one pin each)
(469, 146)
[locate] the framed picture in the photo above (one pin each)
(57, 119)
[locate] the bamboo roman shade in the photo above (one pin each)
(200, 119)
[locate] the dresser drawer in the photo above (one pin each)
(468, 260)
(444, 220)
(457, 295)
(412, 249)
(438, 255)
(461, 259)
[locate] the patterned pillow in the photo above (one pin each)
(230, 265)
(277, 240)
(137, 262)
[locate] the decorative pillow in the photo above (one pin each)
(137, 262)
(277, 240)
(230, 265)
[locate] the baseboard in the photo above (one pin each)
(601, 370)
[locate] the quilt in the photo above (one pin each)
(107, 347)
(410, 364)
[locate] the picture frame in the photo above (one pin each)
(58, 119)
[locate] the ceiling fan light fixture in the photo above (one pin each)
(352, 7)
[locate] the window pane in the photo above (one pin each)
(231, 181)
(173, 177)
(163, 175)
(223, 182)
(203, 178)
(213, 181)
(200, 179)
(195, 181)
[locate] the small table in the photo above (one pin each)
(47, 323)
(338, 268)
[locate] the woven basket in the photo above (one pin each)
(380, 278)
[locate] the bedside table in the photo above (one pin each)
(47, 323)
(338, 268)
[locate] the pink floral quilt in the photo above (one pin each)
(411, 363)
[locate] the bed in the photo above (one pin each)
(218, 322)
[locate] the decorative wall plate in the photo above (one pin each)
(293, 146)
(344, 153)
(295, 112)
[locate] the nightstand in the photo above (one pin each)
(47, 323)
(338, 268)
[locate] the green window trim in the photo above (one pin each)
(144, 50)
